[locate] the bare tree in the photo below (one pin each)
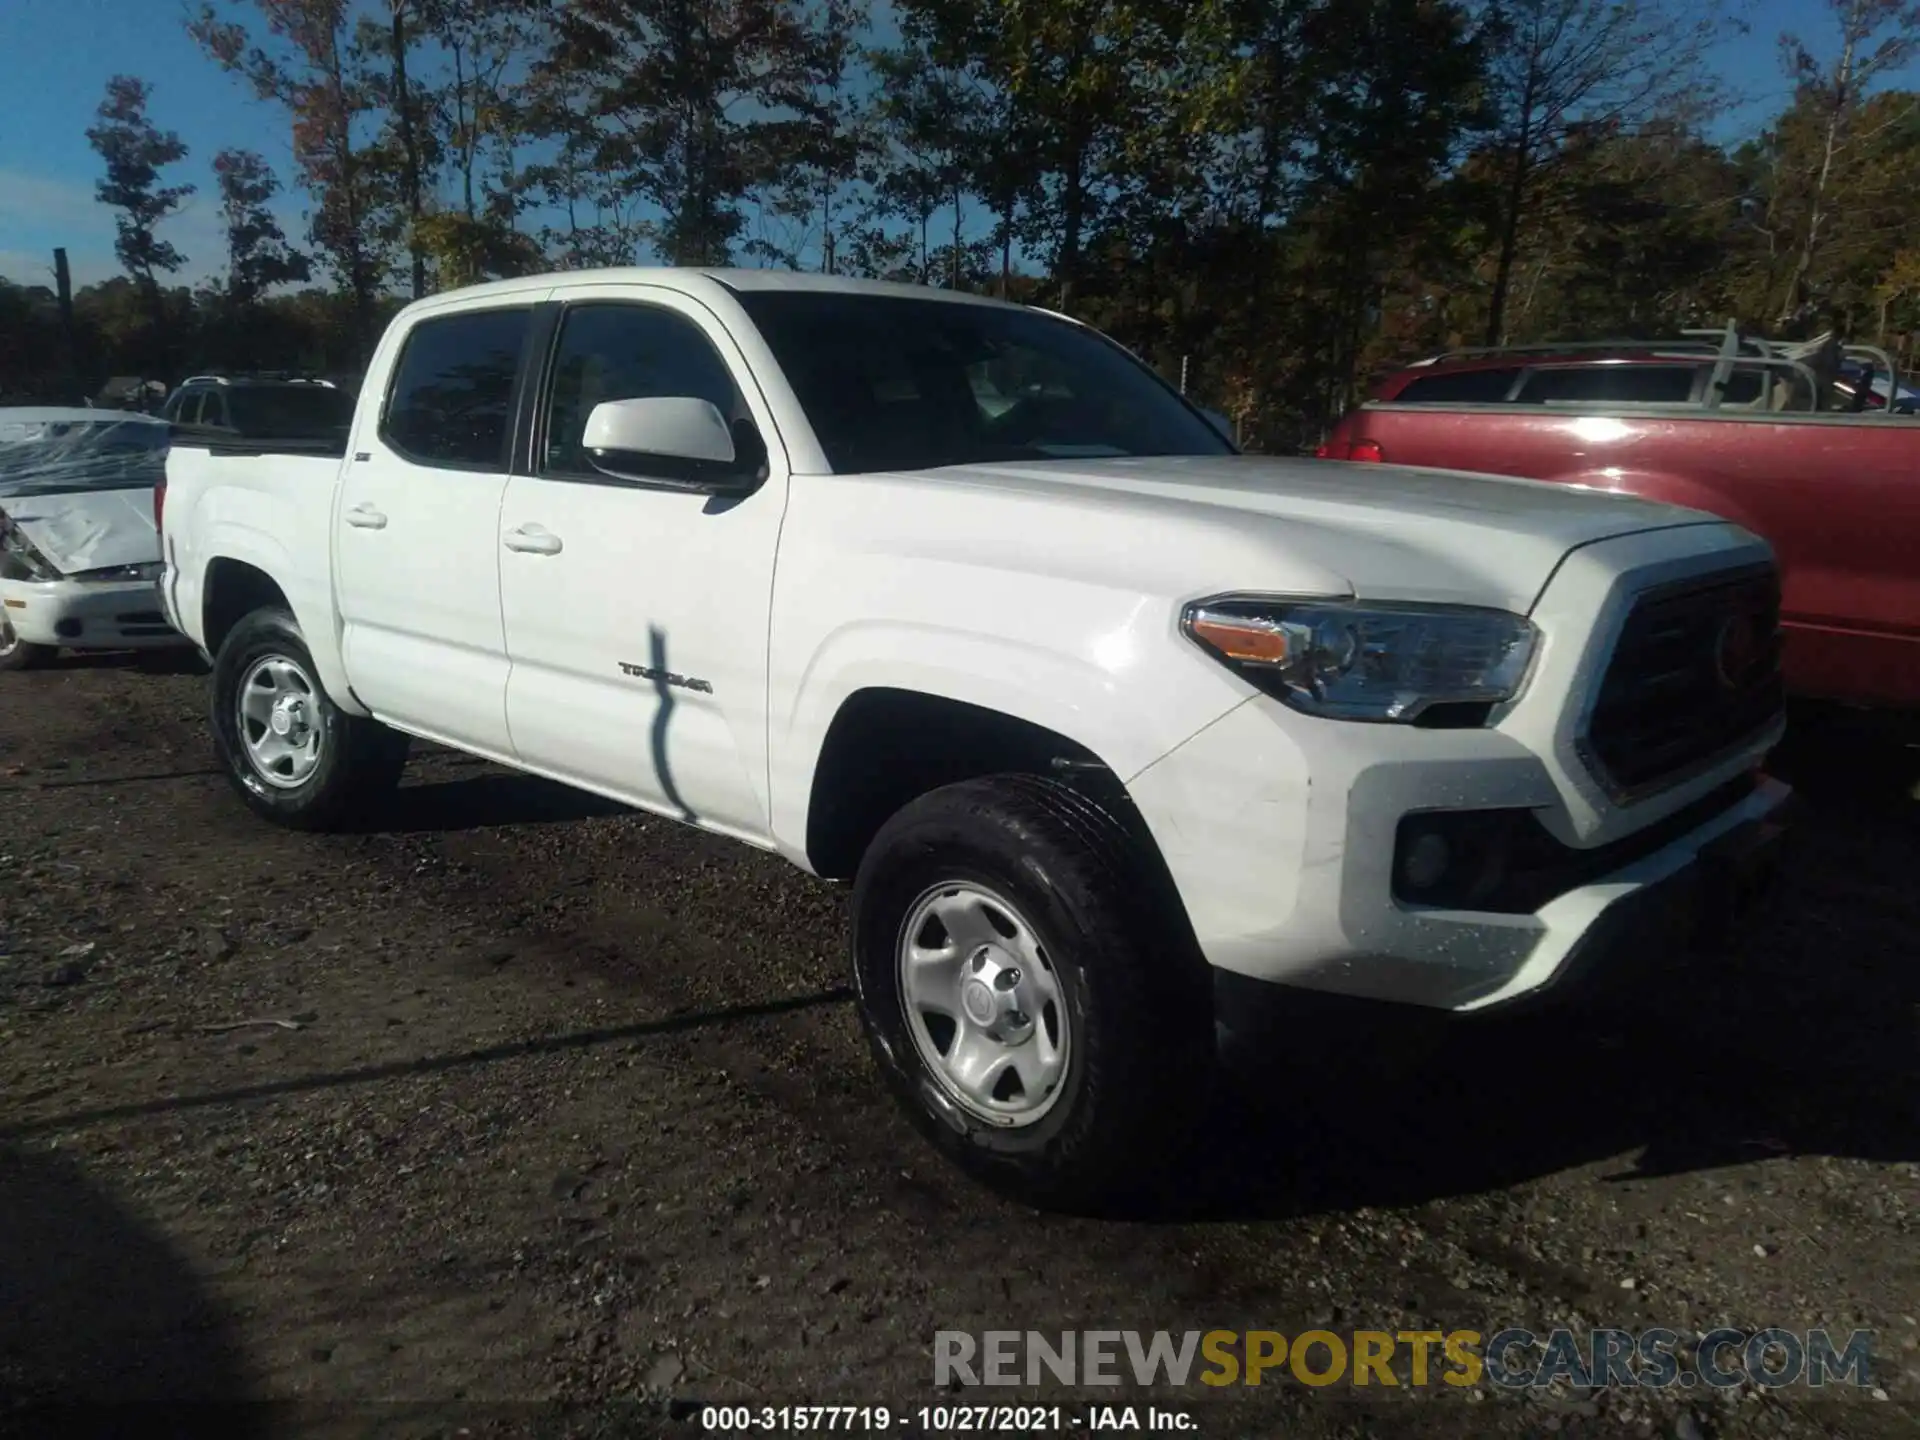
(1876, 37)
(1558, 67)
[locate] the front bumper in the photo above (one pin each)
(1280, 832)
(80, 615)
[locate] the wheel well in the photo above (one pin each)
(886, 747)
(234, 590)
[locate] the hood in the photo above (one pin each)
(93, 530)
(1379, 532)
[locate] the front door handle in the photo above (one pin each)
(531, 539)
(365, 517)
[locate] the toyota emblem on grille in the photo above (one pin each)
(1736, 650)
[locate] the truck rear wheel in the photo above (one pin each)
(1038, 1014)
(293, 755)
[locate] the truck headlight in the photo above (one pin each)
(1355, 661)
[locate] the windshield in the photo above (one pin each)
(289, 412)
(61, 457)
(903, 384)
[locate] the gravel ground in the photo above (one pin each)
(570, 1127)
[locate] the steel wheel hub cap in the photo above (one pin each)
(289, 720)
(278, 717)
(984, 1004)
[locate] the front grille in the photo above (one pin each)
(141, 617)
(1694, 675)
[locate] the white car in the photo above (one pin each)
(79, 550)
(1114, 729)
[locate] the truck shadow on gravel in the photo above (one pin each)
(681, 1022)
(98, 1312)
(1796, 1040)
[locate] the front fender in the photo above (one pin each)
(1129, 698)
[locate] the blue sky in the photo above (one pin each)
(57, 55)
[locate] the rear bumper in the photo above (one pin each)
(78, 615)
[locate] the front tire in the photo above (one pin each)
(1032, 1001)
(294, 756)
(18, 654)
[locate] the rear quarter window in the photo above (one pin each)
(1610, 384)
(1462, 387)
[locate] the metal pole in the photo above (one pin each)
(69, 335)
(1183, 374)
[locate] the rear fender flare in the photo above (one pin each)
(309, 597)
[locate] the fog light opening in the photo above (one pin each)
(1426, 861)
(68, 629)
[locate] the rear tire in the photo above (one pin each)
(294, 756)
(18, 654)
(1057, 1040)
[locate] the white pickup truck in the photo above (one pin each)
(1113, 728)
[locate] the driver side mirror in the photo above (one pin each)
(676, 442)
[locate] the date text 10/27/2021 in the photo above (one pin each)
(945, 1419)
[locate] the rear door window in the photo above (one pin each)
(1462, 387)
(451, 403)
(1610, 384)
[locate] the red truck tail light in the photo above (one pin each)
(159, 502)
(1360, 451)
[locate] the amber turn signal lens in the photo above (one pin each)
(1247, 641)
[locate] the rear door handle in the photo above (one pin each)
(365, 517)
(531, 539)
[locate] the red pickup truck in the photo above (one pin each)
(1743, 430)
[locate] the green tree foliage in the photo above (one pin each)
(258, 256)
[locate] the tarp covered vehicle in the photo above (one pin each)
(79, 553)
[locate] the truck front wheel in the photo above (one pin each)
(1035, 1010)
(293, 755)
